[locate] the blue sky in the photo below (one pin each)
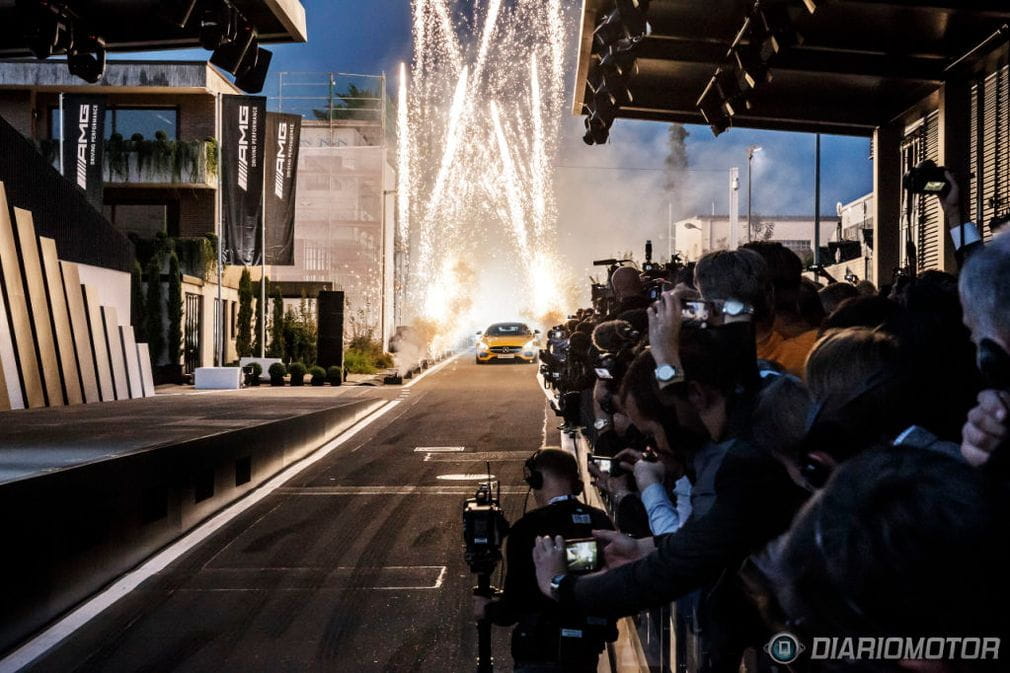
(374, 36)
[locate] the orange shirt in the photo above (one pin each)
(790, 353)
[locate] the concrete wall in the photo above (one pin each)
(16, 108)
(75, 530)
(113, 289)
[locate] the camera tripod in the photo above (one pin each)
(485, 660)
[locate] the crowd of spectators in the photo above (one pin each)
(825, 461)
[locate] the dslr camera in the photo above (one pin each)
(927, 178)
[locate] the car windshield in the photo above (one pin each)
(508, 329)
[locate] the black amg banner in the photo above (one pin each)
(83, 144)
(243, 126)
(283, 134)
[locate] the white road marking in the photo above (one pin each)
(466, 477)
(437, 582)
(439, 449)
(445, 489)
(432, 370)
(57, 632)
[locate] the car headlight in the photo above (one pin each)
(530, 346)
(482, 346)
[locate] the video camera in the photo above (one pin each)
(660, 277)
(484, 529)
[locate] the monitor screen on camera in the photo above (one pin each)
(582, 556)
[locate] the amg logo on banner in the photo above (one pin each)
(243, 147)
(83, 134)
(84, 124)
(280, 163)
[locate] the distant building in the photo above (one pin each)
(346, 208)
(697, 236)
(850, 251)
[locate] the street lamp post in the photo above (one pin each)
(751, 151)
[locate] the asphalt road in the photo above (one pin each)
(348, 568)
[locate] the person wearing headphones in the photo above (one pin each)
(546, 638)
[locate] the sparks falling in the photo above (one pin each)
(478, 126)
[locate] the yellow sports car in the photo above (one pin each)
(507, 341)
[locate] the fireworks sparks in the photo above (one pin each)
(476, 189)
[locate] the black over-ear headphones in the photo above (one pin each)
(533, 477)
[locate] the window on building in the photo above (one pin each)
(127, 121)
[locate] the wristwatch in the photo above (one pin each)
(735, 308)
(556, 585)
(601, 423)
(666, 374)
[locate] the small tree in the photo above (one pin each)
(259, 315)
(243, 340)
(138, 314)
(154, 327)
(174, 309)
(277, 326)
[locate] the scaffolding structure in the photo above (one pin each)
(345, 231)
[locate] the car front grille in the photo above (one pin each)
(505, 350)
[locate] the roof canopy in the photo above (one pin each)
(859, 64)
(137, 25)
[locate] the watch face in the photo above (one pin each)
(601, 423)
(666, 373)
(732, 307)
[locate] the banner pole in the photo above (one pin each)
(219, 313)
(263, 262)
(62, 134)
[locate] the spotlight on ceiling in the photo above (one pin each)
(750, 70)
(598, 124)
(86, 58)
(609, 30)
(252, 78)
(218, 25)
(634, 16)
(47, 27)
(233, 54)
(772, 28)
(713, 109)
(627, 21)
(728, 87)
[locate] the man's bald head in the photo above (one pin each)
(626, 283)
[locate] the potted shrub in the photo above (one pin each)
(277, 371)
(297, 371)
(335, 375)
(257, 372)
(318, 376)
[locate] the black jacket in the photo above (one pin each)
(540, 620)
(754, 501)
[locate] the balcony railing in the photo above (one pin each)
(162, 162)
(148, 163)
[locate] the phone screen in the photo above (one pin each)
(935, 187)
(582, 556)
(602, 463)
(695, 310)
